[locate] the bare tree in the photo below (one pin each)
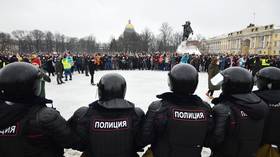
(146, 39)
(49, 41)
(5, 42)
(165, 36)
(153, 44)
(113, 47)
(59, 42)
(72, 44)
(176, 40)
(90, 44)
(82, 45)
(19, 35)
(28, 43)
(37, 36)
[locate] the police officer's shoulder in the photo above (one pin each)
(206, 104)
(222, 109)
(139, 112)
(47, 114)
(155, 106)
(80, 112)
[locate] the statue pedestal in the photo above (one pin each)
(185, 48)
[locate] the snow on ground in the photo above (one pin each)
(142, 88)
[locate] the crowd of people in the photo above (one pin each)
(242, 123)
(141, 61)
(65, 64)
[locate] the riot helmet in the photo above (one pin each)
(111, 86)
(183, 79)
(268, 78)
(20, 81)
(237, 80)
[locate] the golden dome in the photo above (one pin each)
(129, 27)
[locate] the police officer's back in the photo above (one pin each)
(27, 126)
(178, 124)
(109, 126)
(239, 116)
(268, 82)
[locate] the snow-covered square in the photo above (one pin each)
(142, 88)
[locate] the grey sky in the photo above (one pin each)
(107, 18)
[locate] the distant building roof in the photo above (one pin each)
(277, 27)
(219, 37)
(250, 29)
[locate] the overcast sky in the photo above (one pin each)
(107, 18)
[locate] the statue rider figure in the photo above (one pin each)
(187, 30)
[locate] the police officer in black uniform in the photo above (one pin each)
(178, 124)
(239, 116)
(28, 128)
(268, 82)
(110, 126)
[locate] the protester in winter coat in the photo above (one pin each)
(92, 68)
(185, 58)
(213, 70)
(49, 66)
(59, 70)
(67, 68)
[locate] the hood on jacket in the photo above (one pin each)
(116, 104)
(250, 103)
(271, 96)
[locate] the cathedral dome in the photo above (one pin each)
(129, 28)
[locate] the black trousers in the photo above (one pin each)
(92, 78)
(59, 78)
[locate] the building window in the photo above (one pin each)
(274, 52)
(276, 35)
(257, 29)
(240, 32)
(252, 30)
(275, 44)
(271, 26)
(265, 27)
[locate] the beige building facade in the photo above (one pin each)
(262, 40)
